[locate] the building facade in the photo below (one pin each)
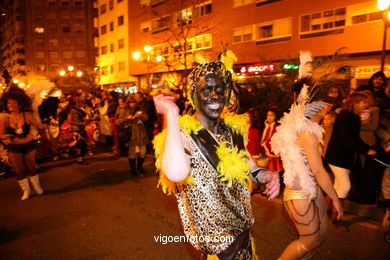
(265, 35)
(41, 38)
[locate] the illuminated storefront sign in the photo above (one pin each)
(290, 67)
(257, 69)
(367, 71)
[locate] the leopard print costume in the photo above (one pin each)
(209, 208)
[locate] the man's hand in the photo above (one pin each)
(164, 104)
(272, 178)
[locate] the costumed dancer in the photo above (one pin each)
(16, 134)
(297, 141)
(203, 161)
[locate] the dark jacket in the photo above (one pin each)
(345, 142)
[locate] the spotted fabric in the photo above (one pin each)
(209, 208)
(203, 69)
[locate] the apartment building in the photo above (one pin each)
(41, 38)
(112, 26)
(265, 35)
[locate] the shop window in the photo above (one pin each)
(121, 20)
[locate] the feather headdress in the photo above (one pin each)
(222, 66)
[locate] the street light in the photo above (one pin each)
(384, 6)
(146, 57)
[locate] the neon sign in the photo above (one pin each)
(290, 67)
(257, 69)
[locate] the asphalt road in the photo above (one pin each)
(99, 211)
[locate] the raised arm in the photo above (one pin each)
(309, 143)
(175, 164)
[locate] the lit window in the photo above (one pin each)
(184, 17)
(39, 29)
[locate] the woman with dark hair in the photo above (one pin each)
(345, 142)
(16, 134)
(270, 124)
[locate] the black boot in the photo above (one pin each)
(140, 162)
(133, 168)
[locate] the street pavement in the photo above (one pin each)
(99, 211)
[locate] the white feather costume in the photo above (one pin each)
(297, 172)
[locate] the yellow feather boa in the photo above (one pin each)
(232, 163)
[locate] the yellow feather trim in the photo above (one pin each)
(238, 123)
(233, 165)
(212, 257)
(190, 124)
(166, 185)
(228, 59)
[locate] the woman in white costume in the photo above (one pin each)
(298, 141)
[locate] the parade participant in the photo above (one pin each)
(298, 141)
(203, 161)
(16, 134)
(76, 119)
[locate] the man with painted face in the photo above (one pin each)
(203, 161)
